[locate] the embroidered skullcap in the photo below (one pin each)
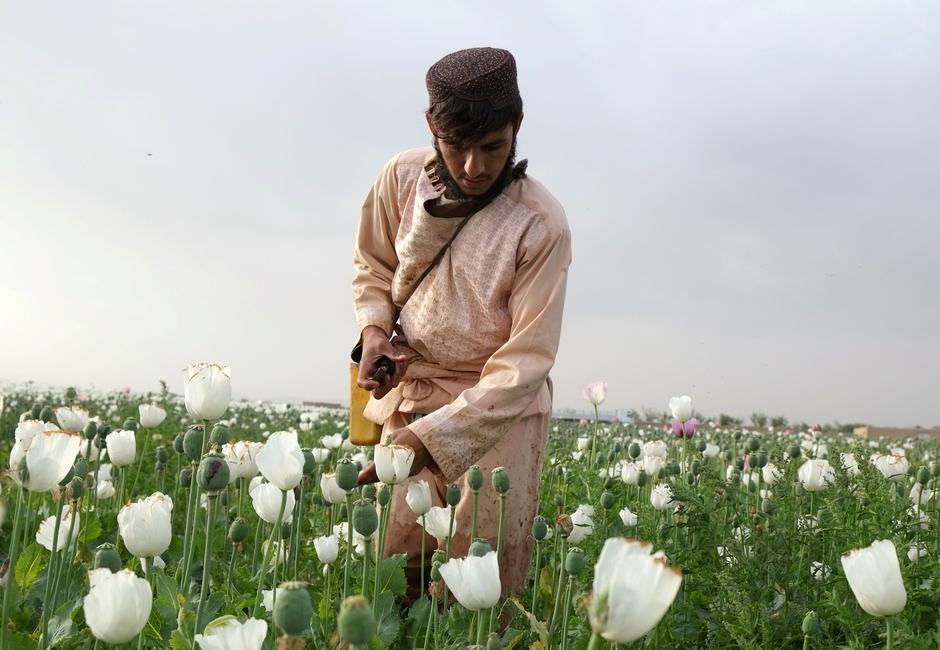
(480, 73)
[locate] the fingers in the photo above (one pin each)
(368, 475)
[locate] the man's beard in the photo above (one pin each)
(452, 188)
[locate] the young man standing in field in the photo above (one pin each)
(476, 338)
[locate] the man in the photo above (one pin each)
(476, 338)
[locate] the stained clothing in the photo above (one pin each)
(481, 331)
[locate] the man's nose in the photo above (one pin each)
(473, 166)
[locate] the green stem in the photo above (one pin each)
(559, 585)
(257, 545)
(480, 617)
(231, 565)
(595, 642)
(535, 587)
(267, 556)
(140, 461)
(188, 536)
(349, 543)
(594, 438)
(890, 621)
(365, 574)
(51, 573)
(423, 537)
(7, 595)
(143, 564)
(431, 617)
(564, 615)
(66, 559)
(207, 560)
(473, 520)
(450, 534)
(499, 547)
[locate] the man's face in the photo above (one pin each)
(478, 165)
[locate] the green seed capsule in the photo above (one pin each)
(368, 492)
(186, 477)
(500, 478)
(70, 394)
(192, 443)
(213, 473)
(634, 450)
(239, 530)
(90, 430)
(811, 623)
(753, 444)
(480, 547)
(493, 642)
(618, 447)
(453, 495)
(35, 412)
(286, 528)
(642, 478)
(347, 475)
(47, 414)
(574, 561)
(130, 424)
(104, 430)
(795, 451)
(539, 528)
(293, 608)
(752, 461)
(475, 478)
(384, 495)
(701, 445)
(310, 463)
(355, 622)
(76, 488)
(935, 469)
(559, 501)
(607, 500)
(218, 435)
(608, 483)
(739, 463)
(365, 519)
(178, 443)
(768, 506)
(80, 468)
(106, 557)
(163, 456)
(923, 476)
(435, 571)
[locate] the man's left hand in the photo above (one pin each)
(407, 438)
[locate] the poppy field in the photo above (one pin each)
(189, 520)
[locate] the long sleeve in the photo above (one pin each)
(460, 433)
(374, 256)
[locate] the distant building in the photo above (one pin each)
(324, 405)
(871, 433)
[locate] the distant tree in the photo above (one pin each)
(759, 419)
(726, 420)
(778, 422)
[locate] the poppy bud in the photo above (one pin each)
(76, 488)
(475, 478)
(795, 451)
(80, 468)
(762, 459)
(293, 608)
(104, 430)
(239, 530)
(608, 483)
(935, 468)
(539, 528)
(642, 478)
(106, 557)
(213, 473)
(47, 414)
(163, 456)
(384, 495)
(355, 622)
(480, 547)
(500, 479)
(368, 492)
(365, 520)
(701, 446)
(574, 562)
(696, 467)
(453, 495)
(493, 642)
(753, 444)
(286, 528)
(192, 443)
(607, 500)
(130, 424)
(811, 623)
(347, 475)
(178, 443)
(923, 476)
(70, 393)
(186, 477)
(91, 428)
(35, 412)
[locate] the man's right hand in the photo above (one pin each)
(375, 344)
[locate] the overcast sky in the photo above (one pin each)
(752, 189)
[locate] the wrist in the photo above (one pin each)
(373, 332)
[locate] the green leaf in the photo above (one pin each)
(417, 621)
(214, 603)
(166, 602)
(386, 616)
(17, 641)
(30, 564)
(535, 625)
(61, 629)
(178, 641)
(392, 575)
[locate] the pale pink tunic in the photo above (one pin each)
(482, 330)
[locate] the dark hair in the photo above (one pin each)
(460, 121)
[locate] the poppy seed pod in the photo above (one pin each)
(70, 393)
(46, 414)
(76, 488)
(80, 468)
(500, 480)
(795, 451)
(186, 477)
(384, 495)
(768, 506)
(213, 473)
(192, 443)
(103, 430)
(239, 530)
(923, 476)
(369, 492)
(634, 450)
(178, 443)
(493, 642)
(751, 460)
(310, 462)
(607, 500)
(347, 476)
(219, 435)
(91, 429)
(739, 464)
(475, 478)
(130, 424)
(935, 468)
(480, 547)
(355, 622)
(438, 556)
(574, 561)
(753, 444)
(286, 528)
(559, 501)
(453, 495)
(293, 608)
(539, 528)
(642, 478)
(106, 557)
(701, 446)
(163, 456)
(811, 623)
(365, 520)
